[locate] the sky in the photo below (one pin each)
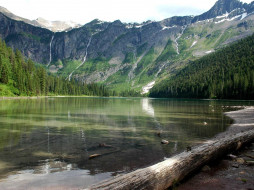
(83, 11)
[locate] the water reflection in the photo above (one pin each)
(147, 107)
(52, 137)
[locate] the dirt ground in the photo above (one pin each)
(227, 174)
(233, 172)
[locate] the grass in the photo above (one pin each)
(229, 33)
(147, 59)
(168, 52)
(68, 67)
(92, 65)
(129, 58)
(211, 38)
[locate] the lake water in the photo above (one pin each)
(46, 143)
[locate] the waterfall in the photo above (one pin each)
(50, 51)
(84, 60)
(178, 37)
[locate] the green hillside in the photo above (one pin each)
(226, 74)
(20, 77)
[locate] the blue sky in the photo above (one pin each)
(83, 11)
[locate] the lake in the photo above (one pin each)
(46, 143)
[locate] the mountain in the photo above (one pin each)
(225, 74)
(223, 7)
(131, 55)
(20, 77)
(54, 26)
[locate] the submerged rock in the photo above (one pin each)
(235, 165)
(240, 160)
(164, 142)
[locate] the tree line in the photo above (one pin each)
(226, 74)
(25, 78)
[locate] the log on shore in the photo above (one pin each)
(166, 173)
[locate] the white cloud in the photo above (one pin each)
(83, 11)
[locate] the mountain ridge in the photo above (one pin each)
(54, 26)
(130, 55)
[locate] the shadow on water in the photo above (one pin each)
(54, 137)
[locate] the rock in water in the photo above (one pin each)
(164, 142)
(102, 145)
(235, 165)
(240, 160)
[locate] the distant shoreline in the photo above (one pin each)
(37, 97)
(22, 97)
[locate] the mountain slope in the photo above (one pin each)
(222, 7)
(226, 74)
(131, 56)
(19, 77)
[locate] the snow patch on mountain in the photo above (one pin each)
(193, 44)
(148, 87)
(244, 15)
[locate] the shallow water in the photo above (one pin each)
(46, 143)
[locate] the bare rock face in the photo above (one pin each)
(32, 41)
(140, 52)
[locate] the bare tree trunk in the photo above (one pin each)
(166, 173)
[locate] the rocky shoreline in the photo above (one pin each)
(234, 171)
(22, 97)
(182, 166)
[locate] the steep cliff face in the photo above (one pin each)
(32, 41)
(124, 55)
(221, 7)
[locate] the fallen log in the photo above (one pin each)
(167, 173)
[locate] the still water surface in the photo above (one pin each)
(46, 143)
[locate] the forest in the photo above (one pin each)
(21, 77)
(226, 74)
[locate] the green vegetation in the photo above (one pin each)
(92, 65)
(34, 37)
(226, 74)
(129, 58)
(147, 59)
(68, 67)
(20, 77)
(141, 49)
(211, 38)
(168, 52)
(119, 38)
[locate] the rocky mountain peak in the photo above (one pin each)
(55, 26)
(222, 7)
(2, 9)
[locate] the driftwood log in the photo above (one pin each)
(172, 170)
(165, 174)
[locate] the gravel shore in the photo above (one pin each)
(234, 171)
